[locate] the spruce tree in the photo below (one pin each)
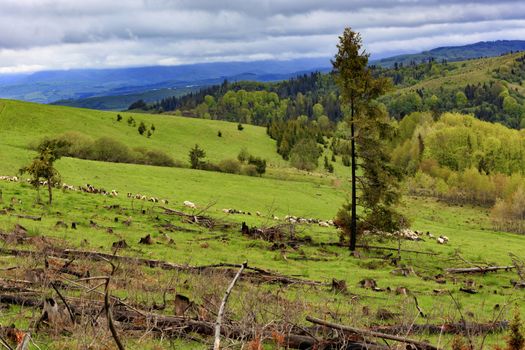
(369, 128)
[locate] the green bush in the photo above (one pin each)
(305, 154)
(77, 145)
(243, 155)
(249, 170)
(232, 166)
(259, 163)
(107, 149)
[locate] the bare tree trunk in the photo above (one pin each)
(353, 223)
(49, 190)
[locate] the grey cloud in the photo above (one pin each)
(37, 34)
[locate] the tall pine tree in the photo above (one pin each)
(370, 128)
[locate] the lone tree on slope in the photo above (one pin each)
(196, 154)
(369, 127)
(42, 166)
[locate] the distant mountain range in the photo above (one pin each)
(50, 86)
(115, 88)
(457, 53)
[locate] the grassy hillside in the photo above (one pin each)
(23, 123)
(101, 221)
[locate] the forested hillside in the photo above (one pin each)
(490, 89)
(457, 53)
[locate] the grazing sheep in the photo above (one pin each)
(226, 211)
(190, 204)
(164, 201)
(114, 193)
(324, 224)
(258, 213)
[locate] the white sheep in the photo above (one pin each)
(190, 204)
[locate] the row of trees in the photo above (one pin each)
(245, 164)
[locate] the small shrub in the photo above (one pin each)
(259, 163)
(152, 128)
(148, 134)
(219, 133)
(249, 170)
(154, 157)
(346, 160)
(240, 127)
(142, 128)
(208, 166)
(232, 166)
(131, 121)
(119, 117)
(243, 155)
(327, 165)
(515, 338)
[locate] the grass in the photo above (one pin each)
(284, 191)
(22, 123)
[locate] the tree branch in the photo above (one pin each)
(217, 342)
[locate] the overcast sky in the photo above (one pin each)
(62, 34)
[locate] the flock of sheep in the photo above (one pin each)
(411, 235)
(404, 233)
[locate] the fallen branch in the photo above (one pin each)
(217, 342)
(30, 217)
(447, 328)
(256, 274)
(479, 269)
(111, 326)
(362, 332)
(173, 326)
(65, 302)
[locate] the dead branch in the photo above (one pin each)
(256, 275)
(447, 328)
(65, 302)
(108, 311)
(217, 342)
(5, 343)
(479, 269)
(30, 217)
(362, 332)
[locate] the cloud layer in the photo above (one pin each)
(63, 34)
